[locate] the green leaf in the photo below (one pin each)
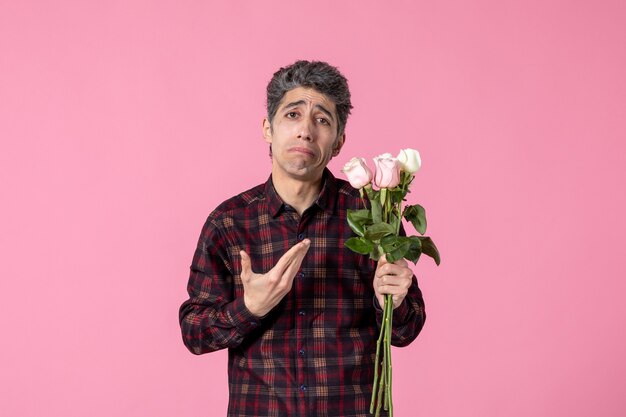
(372, 194)
(394, 221)
(415, 250)
(417, 216)
(379, 230)
(397, 195)
(359, 245)
(429, 248)
(358, 219)
(377, 211)
(395, 247)
(375, 253)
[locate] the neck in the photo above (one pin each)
(297, 193)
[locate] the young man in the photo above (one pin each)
(272, 281)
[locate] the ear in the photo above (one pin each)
(340, 141)
(267, 130)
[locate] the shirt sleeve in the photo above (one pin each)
(408, 317)
(213, 318)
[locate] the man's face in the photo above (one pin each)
(304, 134)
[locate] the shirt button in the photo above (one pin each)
(302, 312)
(301, 236)
(301, 352)
(301, 275)
(303, 387)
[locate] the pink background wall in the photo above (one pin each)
(123, 123)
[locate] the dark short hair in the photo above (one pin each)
(317, 75)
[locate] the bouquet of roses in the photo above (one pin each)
(377, 230)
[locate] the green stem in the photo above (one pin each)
(388, 330)
(385, 354)
(399, 219)
(381, 389)
(384, 196)
(377, 365)
(381, 392)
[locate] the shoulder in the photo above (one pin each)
(244, 199)
(242, 205)
(348, 197)
(344, 188)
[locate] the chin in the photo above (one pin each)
(305, 173)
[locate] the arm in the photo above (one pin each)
(212, 318)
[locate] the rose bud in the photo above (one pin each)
(387, 171)
(359, 175)
(410, 160)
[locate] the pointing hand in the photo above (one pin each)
(262, 292)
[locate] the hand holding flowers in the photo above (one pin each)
(378, 235)
(392, 279)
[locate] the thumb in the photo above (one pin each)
(382, 260)
(246, 263)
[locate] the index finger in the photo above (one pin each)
(295, 253)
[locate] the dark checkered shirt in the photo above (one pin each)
(313, 354)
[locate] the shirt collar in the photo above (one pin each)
(325, 201)
(328, 196)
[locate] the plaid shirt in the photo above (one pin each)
(313, 354)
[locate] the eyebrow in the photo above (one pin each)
(317, 106)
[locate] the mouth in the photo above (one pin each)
(305, 151)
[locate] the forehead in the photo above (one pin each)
(308, 96)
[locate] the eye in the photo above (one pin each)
(291, 115)
(323, 121)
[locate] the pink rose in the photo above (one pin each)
(387, 171)
(359, 175)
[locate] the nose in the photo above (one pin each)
(306, 132)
